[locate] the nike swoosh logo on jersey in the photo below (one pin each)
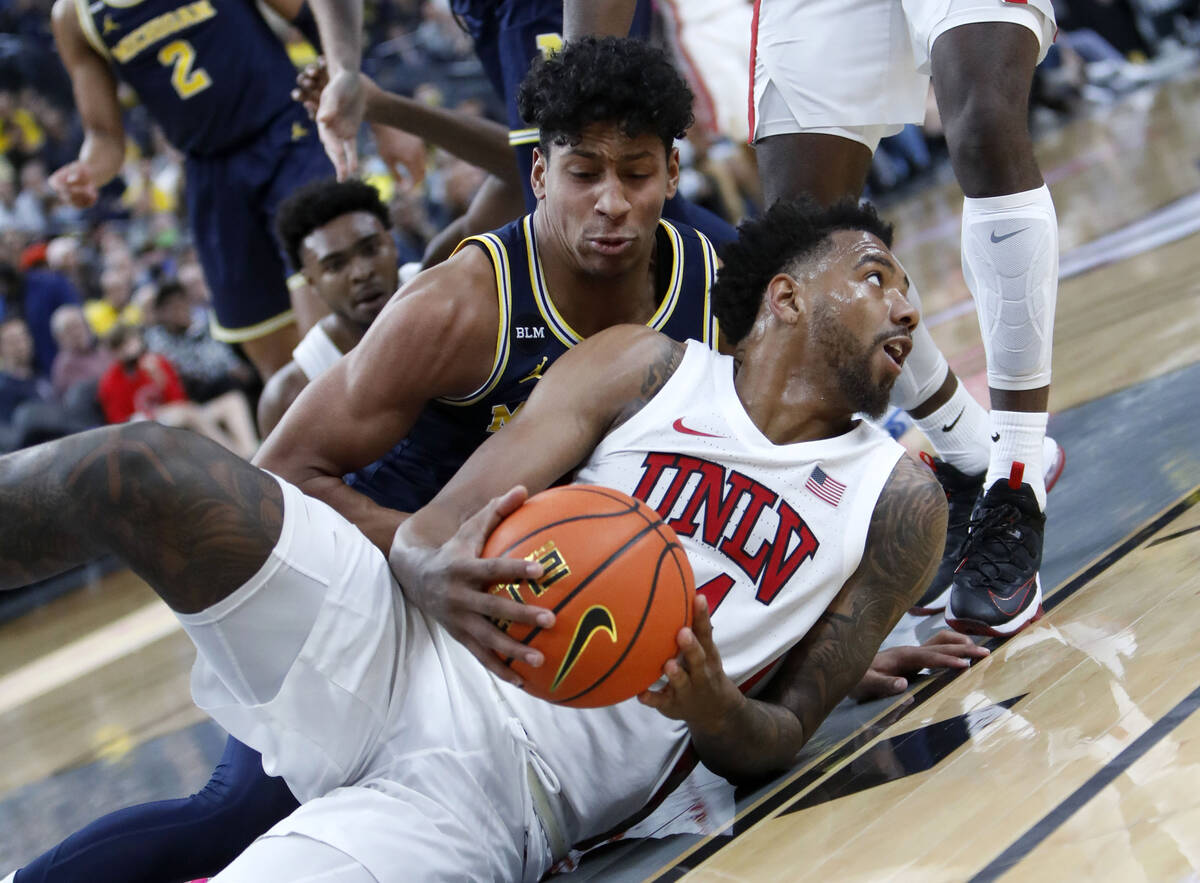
(1011, 605)
(594, 619)
(995, 436)
(679, 427)
(996, 238)
(954, 422)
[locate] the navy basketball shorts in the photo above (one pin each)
(231, 200)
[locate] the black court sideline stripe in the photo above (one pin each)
(769, 804)
(1053, 820)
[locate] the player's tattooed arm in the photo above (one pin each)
(189, 517)
(659, 370)
(904, 545)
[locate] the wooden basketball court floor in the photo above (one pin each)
(1072, 752)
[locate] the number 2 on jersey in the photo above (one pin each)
(187, 82)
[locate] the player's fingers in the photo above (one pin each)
(494, 571)
(350, 153)
(876, 685)
(493, 663)
(502, 607)
(480, 525)
(333, 150)
(497, 642)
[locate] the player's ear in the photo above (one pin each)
(785, 299)
(537, 177)
(672, 171)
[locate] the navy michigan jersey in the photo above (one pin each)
(212, 73)
(530, 336)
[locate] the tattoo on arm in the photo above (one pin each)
(192, 519)
(658, 372)
(904, 545)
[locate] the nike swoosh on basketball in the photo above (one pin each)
(679, 427)
(594, 619)
(1006, 605)
(954, 422)
(996, 238)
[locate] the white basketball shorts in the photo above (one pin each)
(386, 729)
(860, 68)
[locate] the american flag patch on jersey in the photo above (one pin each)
(828, 489)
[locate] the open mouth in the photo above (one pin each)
(897, 349)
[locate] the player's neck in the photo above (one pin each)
(789, 400)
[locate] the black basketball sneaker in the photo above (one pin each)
(996, 589)
(962, 493)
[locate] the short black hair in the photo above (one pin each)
(788, 233)
(318, 203)
(605, 80)
(166, 290)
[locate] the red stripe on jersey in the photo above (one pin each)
(753, 58)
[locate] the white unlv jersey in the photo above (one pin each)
(772, 533)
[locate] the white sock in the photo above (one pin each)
(1010, 263)
(1018, 437)
(964, 445)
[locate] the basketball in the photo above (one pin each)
(618, 582)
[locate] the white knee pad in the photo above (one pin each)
(1010, 262)
(925, 369)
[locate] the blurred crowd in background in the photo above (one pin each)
(82, 290)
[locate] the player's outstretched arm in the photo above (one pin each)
(340, 113)
(477, 140)
(754, 737)
(437, 337)
(95, 91)
(435, 555)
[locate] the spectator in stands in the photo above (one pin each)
(141, 385)
(34, 295)
(207, 367)
(29, 412)
(116, 293)
(81, 361)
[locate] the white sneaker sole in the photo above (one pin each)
(1031, 613)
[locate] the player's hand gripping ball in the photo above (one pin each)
(618, 582)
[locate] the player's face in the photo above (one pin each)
(351, 262)
(861, 318)
(601, 198)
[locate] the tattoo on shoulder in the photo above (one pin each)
(907, 535)
(904, 545)
(657, 373)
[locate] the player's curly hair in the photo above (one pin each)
(787, 235)
(318, 203)
(605, 80)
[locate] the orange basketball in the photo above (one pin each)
(618, 582)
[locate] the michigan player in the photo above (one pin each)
(508, 35)
(338, 233)
(410, 758)
(218, 81)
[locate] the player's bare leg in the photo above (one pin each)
(981, 75)
(192, 519)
